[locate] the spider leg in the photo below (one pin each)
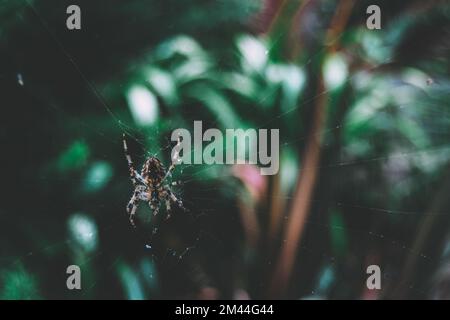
(176, 200)
(175, 160)
(168, 208)
(130, 162)
(132, 207)
(154, 206)
(165, 195)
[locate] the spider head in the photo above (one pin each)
(153, 171)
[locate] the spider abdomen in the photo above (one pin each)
(153, 171)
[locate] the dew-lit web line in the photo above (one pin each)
(328, 130)
(377, 210)
(374, 236)
(124, 127)
(121, 124)
(297, 106)
(344, 123)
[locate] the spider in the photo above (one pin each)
(151, 184)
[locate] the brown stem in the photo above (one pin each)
(308, 176)
(302, 199)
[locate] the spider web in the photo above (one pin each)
(172, 257)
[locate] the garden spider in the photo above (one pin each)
(151, 184)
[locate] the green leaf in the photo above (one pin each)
(74, 157)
